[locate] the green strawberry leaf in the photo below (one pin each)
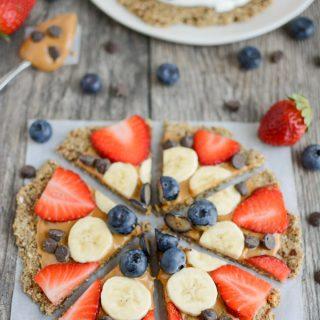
(303, 105)
(4, 37)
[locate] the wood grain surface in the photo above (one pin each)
(208, 77)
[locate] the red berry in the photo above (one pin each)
(286, 121)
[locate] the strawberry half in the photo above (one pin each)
(150, 315)
(173, 312)
(87, 306)
(127, 141)
(243, 293)
(66, 197)
(264, 211)
(272, 265)
(213, 148)
(286, 121)
(13, 13)
(58, 281)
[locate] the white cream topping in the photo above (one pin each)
(218, 5)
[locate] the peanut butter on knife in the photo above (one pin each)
(50, 43)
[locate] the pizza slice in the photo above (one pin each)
(248, 223)
(127, 292)
(197, 161)
(199, 286)
(118, 156)
(65, 231)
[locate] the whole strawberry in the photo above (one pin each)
(12, 14)
(286, 121)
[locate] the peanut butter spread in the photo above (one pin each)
(146, 279)
(176, 131)
(50, 53)
(43, 227)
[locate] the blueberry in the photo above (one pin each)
(173, 260)
(168, 74)
(165, 241)
(133, 263)
(249, 58)
(168, 189)
(121, 219)
(91, 83)
(311, 157)
(301, 28)
(40, 131)
(202, 213)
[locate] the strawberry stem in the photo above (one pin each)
(5, 37)
(303, 105)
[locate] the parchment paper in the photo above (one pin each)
(278, 159)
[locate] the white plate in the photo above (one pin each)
(279, 12)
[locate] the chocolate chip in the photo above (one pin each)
(28, 172)
(232, 105)
(169, 144)
(208, 314)
(269, 241)
(242, 188)
(62, 253)
(56, 234)
(87, 160)
(102, 165)
(316, 61)
(317, 276)
(145, 244)
(54, 31)
(36, 36)
(251, 242)
(54, 52)
(105, 318)
(138, 205)
(120, 90)
(239, 160)
(111, 47)
(276, 56)
(314, 219)
(145, 194)
(177, 223)
(49, 245)
(187, 141)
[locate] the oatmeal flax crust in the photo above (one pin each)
(24, 229)
(161, 14)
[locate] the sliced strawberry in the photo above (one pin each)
(127, 141)
(264, 211)
(66, 197)
(272, 265)
(212, 148)
(87, 306)
(243, 293)
(57, 281)
(150, 315)
(173, 312)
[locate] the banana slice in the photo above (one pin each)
(207, 177)
(192, 290)
(103, 202)
(122, 177)
(145, 171)
(225, 200)
(125, 299)
(203, 261)
(89, 240)
(224, 237)
(179, 163)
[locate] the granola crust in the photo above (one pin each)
(162, 14)
(176, 131)
(24, 229)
